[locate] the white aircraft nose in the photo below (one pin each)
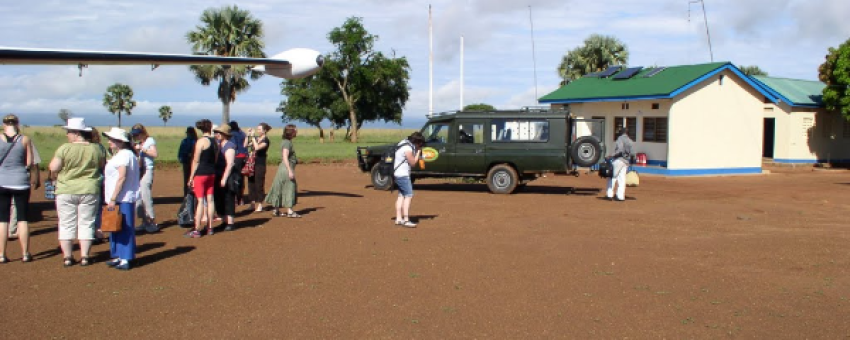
(303, 62)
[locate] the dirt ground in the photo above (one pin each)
(720, 257)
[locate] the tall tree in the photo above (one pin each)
(752, 70)
(119, 99)
(228, 32)
(835, 73)
(372, 86)
(479, 107)
(165, 114)
(597, 54)
(312, 100)
(64, 114)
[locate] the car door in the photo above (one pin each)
(469, 148)
(436, 153)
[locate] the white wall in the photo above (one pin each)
(639, 109)
(717, 126)
(804, 134)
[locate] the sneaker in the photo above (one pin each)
(408, 224)
(113, 263)
(152, 228)
(141, 228)
(123, 266)
(229, 227)
(193, 234)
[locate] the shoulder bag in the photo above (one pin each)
(110, 219)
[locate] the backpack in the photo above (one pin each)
(386, 165)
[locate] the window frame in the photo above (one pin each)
(655, 138)
(632, 128)
(494, 129)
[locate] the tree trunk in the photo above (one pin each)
(332, 134)
(352, 116)
(321, 134)
(225, 111)
(119, 118)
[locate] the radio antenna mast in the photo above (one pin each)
(705, 17)
(533, 53)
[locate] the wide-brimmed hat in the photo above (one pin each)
(224, 129)
(117, 134)
(77, 124)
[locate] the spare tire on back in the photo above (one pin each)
(585, 151)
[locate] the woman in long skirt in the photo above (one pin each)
(283, 192)
(121, 186)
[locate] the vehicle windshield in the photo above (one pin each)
(436, 133)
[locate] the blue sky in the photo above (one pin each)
(786, 38)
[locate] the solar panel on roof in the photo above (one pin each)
(628, 73)
(611, 70)
(654, 72)
(592, 75)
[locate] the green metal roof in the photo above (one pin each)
(795, 91)
(666, 84)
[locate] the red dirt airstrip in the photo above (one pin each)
(761, 257)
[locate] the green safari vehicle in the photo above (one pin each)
(506, 148)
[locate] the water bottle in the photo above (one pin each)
(49, 190)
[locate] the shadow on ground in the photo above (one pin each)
(531, 189)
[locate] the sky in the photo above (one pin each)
(502, 64)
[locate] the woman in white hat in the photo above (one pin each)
(76, 166)
(121, 188)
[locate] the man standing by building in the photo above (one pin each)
(622, 154)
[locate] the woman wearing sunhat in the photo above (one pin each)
(146, 148)
(15, 160)
(225, 198)
(121, 188)
(76, 165)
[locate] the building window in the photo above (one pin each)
(656, 106)
(846, 128)
(655, 129)
(630, 124)
(808, 124)
(625, 106)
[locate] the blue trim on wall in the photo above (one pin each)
(696, 172)
(653, 162)
(760, 88)
(809, 161)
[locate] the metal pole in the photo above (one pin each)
(533, 53)
(461, 73)
(430, 65)
(707, 33)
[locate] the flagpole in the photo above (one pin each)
(430, 65)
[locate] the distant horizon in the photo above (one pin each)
(107, 119)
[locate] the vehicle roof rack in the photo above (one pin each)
(437, 114)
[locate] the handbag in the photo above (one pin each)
(632, 179)
(234, 182)
(49, 190)
(110, 219)
(248, 168)
(186, 214)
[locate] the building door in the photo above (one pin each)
(769, 137)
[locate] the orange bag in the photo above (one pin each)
(110, 220)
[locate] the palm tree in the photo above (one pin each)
(165, 114)
(598, 53)
(227, 32)
(119, 98)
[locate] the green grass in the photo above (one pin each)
(308, 147)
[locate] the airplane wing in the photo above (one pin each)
(292, 64)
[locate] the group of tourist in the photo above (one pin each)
(89, 178)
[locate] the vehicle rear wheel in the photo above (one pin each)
(381, 182)
(586, 151)
(502, 179)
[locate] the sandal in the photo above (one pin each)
(26, 258)
(293, 215)
(277, 214)
(85, 261)
(4, 259)
(69, 261)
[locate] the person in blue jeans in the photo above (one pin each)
(121, 187)
(409, 152)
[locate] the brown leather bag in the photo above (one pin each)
(110, 220)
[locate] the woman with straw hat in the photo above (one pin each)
(121, 188)
(77, 165)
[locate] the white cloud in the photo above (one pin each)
(785, 37)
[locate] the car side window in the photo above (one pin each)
(470, 133)
(436, 133)
(519, 130)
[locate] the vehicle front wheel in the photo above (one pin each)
(379, 181)
(502, 179)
